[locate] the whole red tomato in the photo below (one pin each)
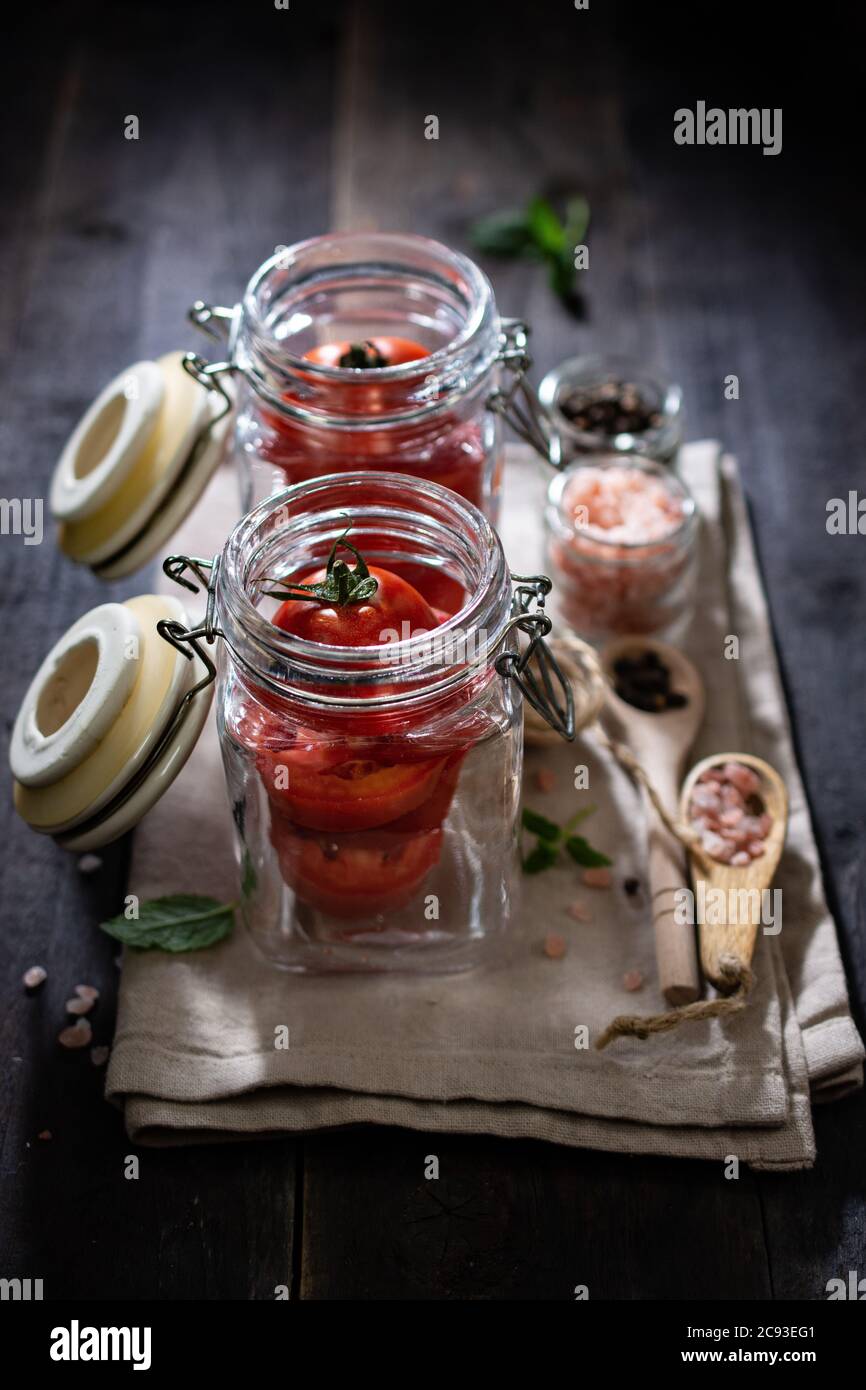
(361, 784)
(391, 606)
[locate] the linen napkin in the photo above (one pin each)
(497, 1050)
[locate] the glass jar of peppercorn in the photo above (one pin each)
(610, 405)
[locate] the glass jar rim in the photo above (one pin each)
(417, 659)
(635, 550)
(481, 304)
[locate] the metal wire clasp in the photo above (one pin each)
(220, 324)
(518, 403)
(551, 695)
(188, 640)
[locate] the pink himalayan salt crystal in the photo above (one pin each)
(718, 847)
(45, 1134)
(623, 504)
(632, 980)
(579, 912)
(79, 1035)
(87, 992)
(596, 878)
(79, 1006)
(554, 946)
(34, 977)
(745, 779)
(99, 1056)
(722, 808)
(545, 779)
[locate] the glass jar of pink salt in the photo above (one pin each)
(621, 542)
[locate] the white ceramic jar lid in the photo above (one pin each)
(77, 693)
(107, 723)
(137, 463)
(105, 444)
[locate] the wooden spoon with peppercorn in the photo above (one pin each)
(657, 697)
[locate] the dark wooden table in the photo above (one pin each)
(259, 127)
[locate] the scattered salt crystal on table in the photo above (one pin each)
(34, 977)
(632, 980)
(579, 912)
(89, 863)
(554, 946)
(545, 779)
(99, 1055)
(79, 1006)
(79, 1035)
(89, 992)
(596, 878)
(45, 1134)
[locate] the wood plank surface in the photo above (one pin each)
(106, 243)
(259, 127)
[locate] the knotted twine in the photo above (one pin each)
(583, 671)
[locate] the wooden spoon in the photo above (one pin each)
(660, 742)
(737, 939)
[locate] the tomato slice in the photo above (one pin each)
(354, 876)
(356, 794)
(432, 812)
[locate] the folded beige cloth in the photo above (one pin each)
(494, 1051)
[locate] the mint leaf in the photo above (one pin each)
(503, 234)
(542, 857)
(584, 854)
(182, 922)
(576, 222)
(540, 825)
(547, 230)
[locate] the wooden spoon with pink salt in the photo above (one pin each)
(739, 806)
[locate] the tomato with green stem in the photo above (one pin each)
(353, 787)
(376, 352)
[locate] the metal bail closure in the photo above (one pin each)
(535, 668)
(138, 461)
(518, 403)
(108, 722)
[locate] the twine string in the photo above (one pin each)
(735, 976)
(582, 668)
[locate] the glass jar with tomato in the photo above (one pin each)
(368, 350)
(370, 735)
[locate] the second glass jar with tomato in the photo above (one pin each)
(373, 351)
(372, 749)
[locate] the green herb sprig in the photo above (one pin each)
(180, 922)
(551, 838)
(538, 233)
(341, 585)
